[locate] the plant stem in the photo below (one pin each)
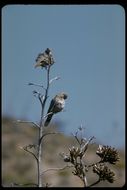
(94, 183)
(43, 102)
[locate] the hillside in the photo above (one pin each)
(20, 167)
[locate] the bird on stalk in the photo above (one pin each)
(57, 104)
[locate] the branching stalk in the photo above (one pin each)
(35, 124)
(43, 102)
(57, 169)
(95, 183)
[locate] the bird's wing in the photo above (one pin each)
(52, 105)
(42, 57)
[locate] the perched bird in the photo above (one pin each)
(57, 104)
(44, 59)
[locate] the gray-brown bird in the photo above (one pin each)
(44, 59)
(56, 105)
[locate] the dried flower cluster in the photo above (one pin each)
(76, 158)
(104, 172)
(108, 154)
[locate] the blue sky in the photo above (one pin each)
(88, 43)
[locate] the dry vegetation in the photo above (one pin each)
(19, 167)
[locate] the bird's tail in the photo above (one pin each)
(37, 65)
(48, 119)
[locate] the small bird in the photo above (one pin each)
(56, 105)
(44, 59)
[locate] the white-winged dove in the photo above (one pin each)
(44, 59)
(56, 105)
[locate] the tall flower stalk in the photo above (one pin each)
(44, 60)
(43, 102)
